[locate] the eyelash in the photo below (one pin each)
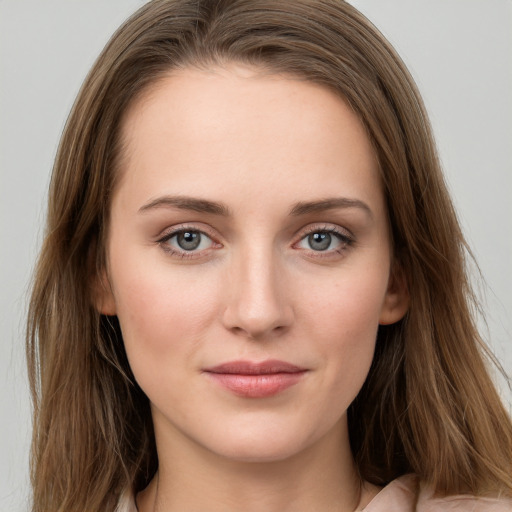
(184, 254)
(346, 241)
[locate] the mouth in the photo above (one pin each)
(256, 379)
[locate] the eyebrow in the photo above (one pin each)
(215, 208)
(303, 208)
(186, 203)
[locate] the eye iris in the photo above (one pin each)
(319, 241)
(188, 240)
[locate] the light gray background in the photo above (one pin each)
(457, 50)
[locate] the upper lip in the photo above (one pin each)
(255, 368)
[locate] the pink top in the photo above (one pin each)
(405, 494)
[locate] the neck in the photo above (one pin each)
(321, 477)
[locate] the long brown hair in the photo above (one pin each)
(428, 405)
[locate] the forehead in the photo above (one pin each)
(195, 130)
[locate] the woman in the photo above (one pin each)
(253, 282)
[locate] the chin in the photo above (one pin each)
(263, 452)
(262, 445)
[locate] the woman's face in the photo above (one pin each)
(248, 260)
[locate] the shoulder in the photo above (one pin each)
(126, 502)
(407, 494)
(461, 503)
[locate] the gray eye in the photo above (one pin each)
(188, 240)
(319, 241)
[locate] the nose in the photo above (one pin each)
(257, 297)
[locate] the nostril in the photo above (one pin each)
(257, 328)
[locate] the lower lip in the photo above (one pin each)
(256, 386)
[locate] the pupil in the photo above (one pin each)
(188, 241)
(319, 241)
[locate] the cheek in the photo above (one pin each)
(349, 305)
(344, 321)
(162, 313)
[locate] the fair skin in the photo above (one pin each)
(249, 224)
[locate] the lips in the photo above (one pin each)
(256, 379)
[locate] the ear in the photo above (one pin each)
(103, 298)
(396, 301)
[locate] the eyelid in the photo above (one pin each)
(344, 233)
(172, 231)
(184, 226)
(345, 236)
